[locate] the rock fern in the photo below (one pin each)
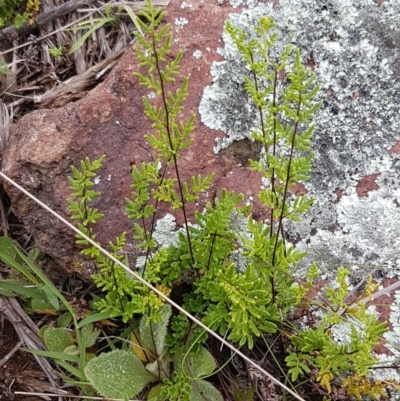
(240, 284)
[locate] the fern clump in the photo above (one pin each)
(124, 296)
(246, 298)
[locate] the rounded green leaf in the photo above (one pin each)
(153, 335)
(197, 365)
(72, 350)
(89, 335)
(117, 374)
(203, 390)
(64, 320)
(154, 393)
(57, 339)
(42, 330)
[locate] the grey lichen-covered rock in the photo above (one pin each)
(353, 47)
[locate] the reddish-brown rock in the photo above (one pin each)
(366, 185)
(44, 144)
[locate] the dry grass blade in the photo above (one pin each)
(27, 333)
(47, 75)
(4, 126)
(43, 19)
(66, 395)
(77, 86)
(4, 360)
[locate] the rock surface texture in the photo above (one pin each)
(353, 47)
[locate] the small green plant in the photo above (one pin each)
(242, 284)
(109, 18)
(124, 373)
(124, 296)
(4, 70)
(56, 51)
(67, 340)
(18, 12)
(317, 348)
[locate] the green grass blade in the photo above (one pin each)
(94, 318)
(50, 286)
(51, 296)
(58, 356)
(134, 18)
(71, 369)
(21, 290)
(7, 248)
(94, 28)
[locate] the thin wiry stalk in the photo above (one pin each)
(153, 222)
(285, 192)
(211, 250)
(263, 130)
(260, 110)
(273, 148)
(271, 229)
(168, 129)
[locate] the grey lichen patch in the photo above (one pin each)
(165, 231)
(181, 21)
(235, 3)
(353, 47)
(363, 225)
(197, 54)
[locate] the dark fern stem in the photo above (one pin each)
(173, 151)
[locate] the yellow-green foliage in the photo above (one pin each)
(360, 387)
(17, 12)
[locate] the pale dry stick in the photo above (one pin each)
(79, 54)
(10, 354)
(4, 126)
(43, 19)
(73, 87)
(27, 332)
(135, 6)
(20, 96)
(18, 102)
(379, 293)
(47, 6)
(104, 70)
(159, 293)
(69, 396)
(376, 294)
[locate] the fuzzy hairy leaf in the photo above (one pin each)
(153, 334)
(117, 374)
(202, 389)
(57, 339)
(195, 365)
